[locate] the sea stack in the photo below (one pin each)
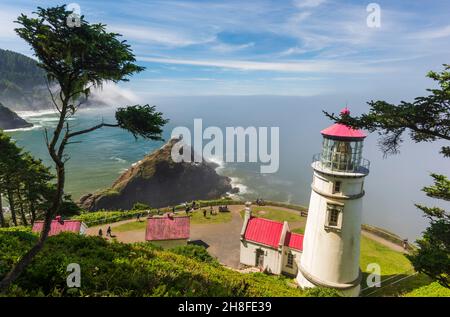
(159, 181)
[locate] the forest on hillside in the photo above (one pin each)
(22, 82)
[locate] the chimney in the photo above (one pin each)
(248, 215)
(248, 210)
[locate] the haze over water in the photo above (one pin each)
(392, 187)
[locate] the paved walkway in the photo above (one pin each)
(221, 239)
(383, 241)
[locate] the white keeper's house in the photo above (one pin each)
(328, 253)
(269, 245)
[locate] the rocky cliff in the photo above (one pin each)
(158, 181)
(10, 120)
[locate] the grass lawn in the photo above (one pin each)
(300, 230)
(198, 218)
(395, 269)
(277, 214)
(130, 226)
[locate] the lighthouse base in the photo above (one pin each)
(343, 289)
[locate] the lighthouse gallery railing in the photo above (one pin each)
(342, 163)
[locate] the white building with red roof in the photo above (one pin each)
(269, 245)
(59, 225)
(328, 254)
(168, 230)
(333, 227)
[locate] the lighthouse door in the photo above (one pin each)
(260, 258)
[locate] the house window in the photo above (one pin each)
(337, 187)
(334, 216)
(290, 260)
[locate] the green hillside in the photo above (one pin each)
(22, 82)
(117, 269)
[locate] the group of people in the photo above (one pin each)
(260, 202)
(211, 211)
(188, 208)
(108, 232)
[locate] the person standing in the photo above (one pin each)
(108, 231)
(100, 232)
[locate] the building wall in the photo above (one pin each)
(328, 254)
(272, 257)
(292, 271)
(167, 244)
(83, 228)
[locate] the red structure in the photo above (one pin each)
(167, 228)
(59, 225)
(269, 232)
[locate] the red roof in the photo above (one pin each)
(343, 131)
(264, 231)
(59, 226)
(294, 241)
(167, 228)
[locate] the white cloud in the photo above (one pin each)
(229, 48)
(112, 94)
(291, 67)
(308, 3)
(7, 25)
(166, 37)
(433, 34)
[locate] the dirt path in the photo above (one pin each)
(383, 241)
(221, 239)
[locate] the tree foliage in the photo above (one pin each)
(426, 119)
(26, 184)
(77, 59)
(118, 269)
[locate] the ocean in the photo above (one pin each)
(392, 187)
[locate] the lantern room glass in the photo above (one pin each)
(341, 155)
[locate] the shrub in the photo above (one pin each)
(195, 252)
(141, 206)
(117, 269)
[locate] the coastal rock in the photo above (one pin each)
(159, 181)
(10, 120)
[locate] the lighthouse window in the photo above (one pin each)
(290, 260)
(333, 215)
(337, 187)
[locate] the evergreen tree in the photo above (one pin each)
(427, 119)
(78, 59)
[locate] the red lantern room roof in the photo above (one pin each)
(342, 131)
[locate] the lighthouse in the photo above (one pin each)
(331, 243)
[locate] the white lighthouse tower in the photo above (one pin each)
(332, 236)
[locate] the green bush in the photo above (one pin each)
(141, 206)
(195, 252)
(116, 269)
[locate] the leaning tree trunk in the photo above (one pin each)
(56, 154)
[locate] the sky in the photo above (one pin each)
(265, 47)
